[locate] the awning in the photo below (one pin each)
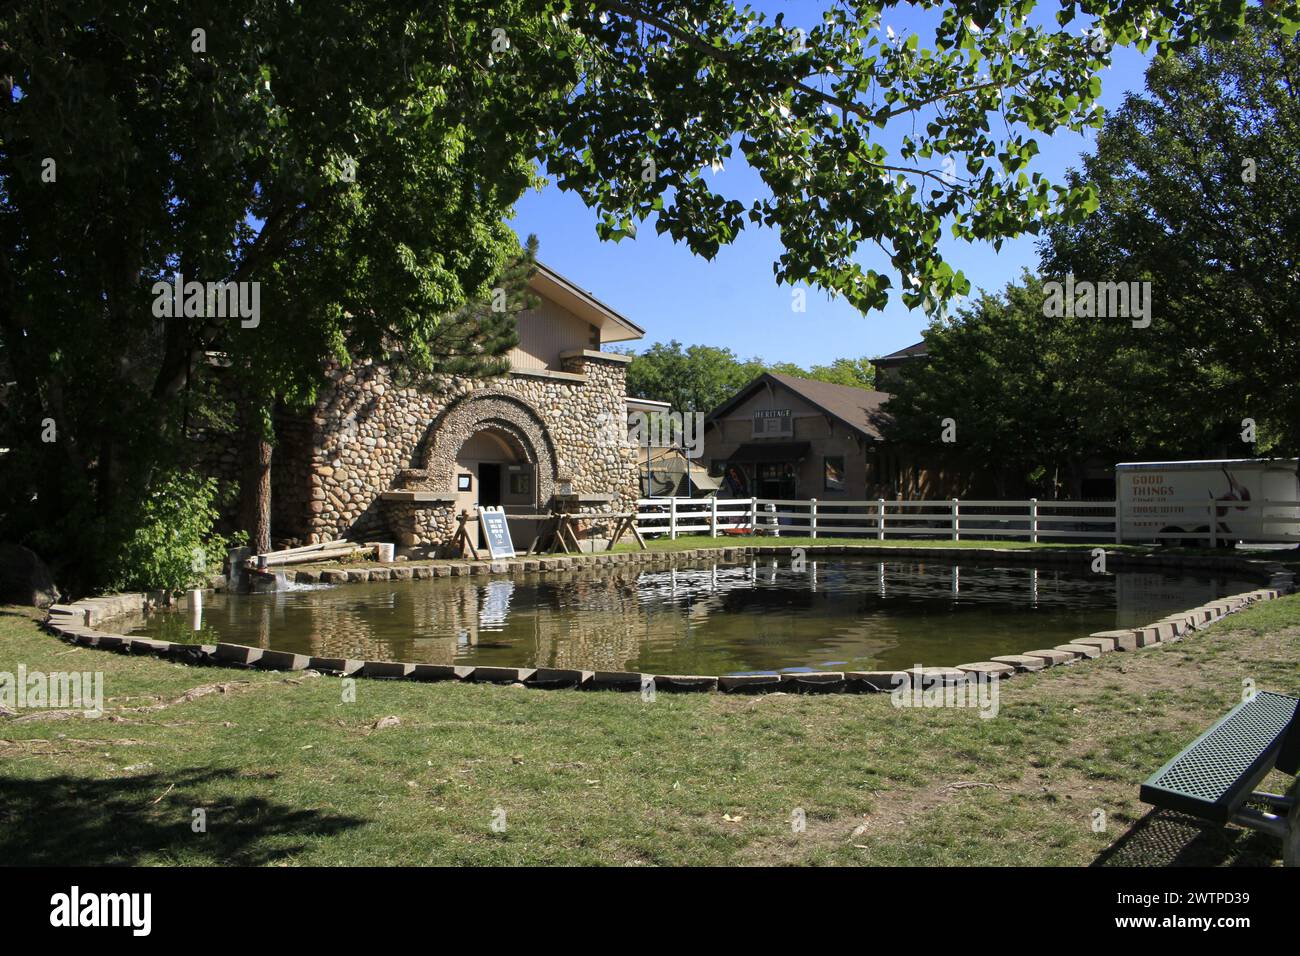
(770, 451)
(701, 479)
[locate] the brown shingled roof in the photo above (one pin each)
(858, 408)
(919, 350)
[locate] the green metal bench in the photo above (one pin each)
(1217, 774)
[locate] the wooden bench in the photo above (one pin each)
(1216, 775)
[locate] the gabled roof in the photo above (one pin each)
(613, 326)
(858, 408)
(919, 350)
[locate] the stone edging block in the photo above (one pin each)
(988, 669)
(1053, 658)
(1080, 651)
(502, 675)
(682, 683)
(926, 676)
(823, 682)
(1023, 663)
(748, 683)
(238, 654)
(283, 661)
(556, 678)
(387, 670)
(337, 666)
(1103, 644)
(1128, 640)
(615, 680)
(878, 682)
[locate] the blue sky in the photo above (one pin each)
(734, 300)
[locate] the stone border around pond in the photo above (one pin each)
(77, 624)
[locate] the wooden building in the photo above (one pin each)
(795, 438)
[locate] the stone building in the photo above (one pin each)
(375, 460)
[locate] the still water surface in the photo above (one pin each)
(707, 618)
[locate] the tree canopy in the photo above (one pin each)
(1199, 195)
(1033, 397)
(1198, 180)
(698, 378)
(359, 161)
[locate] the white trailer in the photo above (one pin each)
(1209, 503)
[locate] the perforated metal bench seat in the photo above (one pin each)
(1219, 770)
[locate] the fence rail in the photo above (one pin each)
(1198, 523)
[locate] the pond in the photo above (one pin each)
(703, 618)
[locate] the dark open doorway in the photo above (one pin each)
(489, 484)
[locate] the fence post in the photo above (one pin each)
(880, 519)
(713, 517)
(956, 523)
(812, 513)
(1119, 523)
(753, 516)
(672, 518)
(1033, 519)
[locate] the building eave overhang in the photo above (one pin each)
(614, 327)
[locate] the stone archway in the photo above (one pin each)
(493, 412)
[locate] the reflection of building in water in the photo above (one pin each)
(589, 619)
(769, 613)
(496, 604)
(597, 621)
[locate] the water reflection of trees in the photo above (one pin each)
(715, 618)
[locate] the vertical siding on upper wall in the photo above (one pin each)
(544, 333)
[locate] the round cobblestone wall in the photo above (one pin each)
(475, 412)
(371, 435)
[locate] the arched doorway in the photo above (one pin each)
(494, 470)
(498, 470)
(491, 448)
(509, 422)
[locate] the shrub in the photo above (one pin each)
(171, 545)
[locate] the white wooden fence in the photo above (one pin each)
(1198, 523)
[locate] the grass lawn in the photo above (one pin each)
(290, 774)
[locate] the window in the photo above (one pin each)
(521, 483)
(833, 466)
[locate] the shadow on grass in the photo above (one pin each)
(1167, 838)
(33, 614)
(81, 821)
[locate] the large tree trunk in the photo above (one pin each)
(1074, 478)
(255, 489)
